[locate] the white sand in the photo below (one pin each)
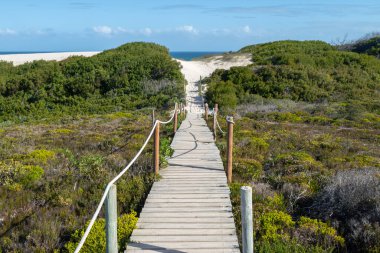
(19, 59)
(194, 70)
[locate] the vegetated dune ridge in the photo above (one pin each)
(19, 59)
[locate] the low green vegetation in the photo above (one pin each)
(67, 128)
(135, 75)
(306, 139)
(369, 44)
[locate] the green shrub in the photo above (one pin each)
(16, 176)
(40, 156)
(321, 120)
(165, 151)
(62, 131)
(247, 169)
(275, 225)
(96, 240)
(286, 247)
(298, 161)
(316, 232)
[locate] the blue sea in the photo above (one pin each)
(188, 56)
(183, 55)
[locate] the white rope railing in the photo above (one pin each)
(220, 129)
(96, 214)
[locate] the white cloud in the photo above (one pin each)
(147, 31)
(122, 30)
(106, 30)
(7, 31)
(247, 29)
(188, 29)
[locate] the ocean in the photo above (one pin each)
(188, 56)
(183, 55)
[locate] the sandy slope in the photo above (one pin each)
(19, 59)
(194, 70)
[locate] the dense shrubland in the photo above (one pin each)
(135, 75)
(369, 44)
(66, 129)
(307, 141)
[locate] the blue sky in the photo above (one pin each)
(207, 25)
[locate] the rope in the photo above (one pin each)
(220, 129)
(95, 216)
(230, 119)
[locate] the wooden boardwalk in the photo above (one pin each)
(189, 208)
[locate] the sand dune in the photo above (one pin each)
(194, 70)
(19, 59)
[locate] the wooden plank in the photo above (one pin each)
(189, 204)
(190, 200)
(187, 215)
(183, 226)
(195, 231)
(187, 195)
(184, 238)
(162, 250)
(187, 245)
(188, 220)
(186, 210)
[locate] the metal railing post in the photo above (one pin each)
(111, 220)
(230, 143)
(157, 148)
(246, 219)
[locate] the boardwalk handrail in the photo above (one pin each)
(106, 191)
(220, 129)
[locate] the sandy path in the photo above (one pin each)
(19, 59)
(194, 70)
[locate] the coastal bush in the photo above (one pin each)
(248, 169)
(16, 176)
(96, 240)
(352, 200)
(310, 71)
(275, 225)
(316, 232)
(165, 151)
(108, 82)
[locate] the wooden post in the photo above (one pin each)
(157, 149)
(215, 119)
(206, 111)
(153, 118)
(230, 143)
(111, 221)
(175, 124)
(246, 219)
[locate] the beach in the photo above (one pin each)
(19, 59)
